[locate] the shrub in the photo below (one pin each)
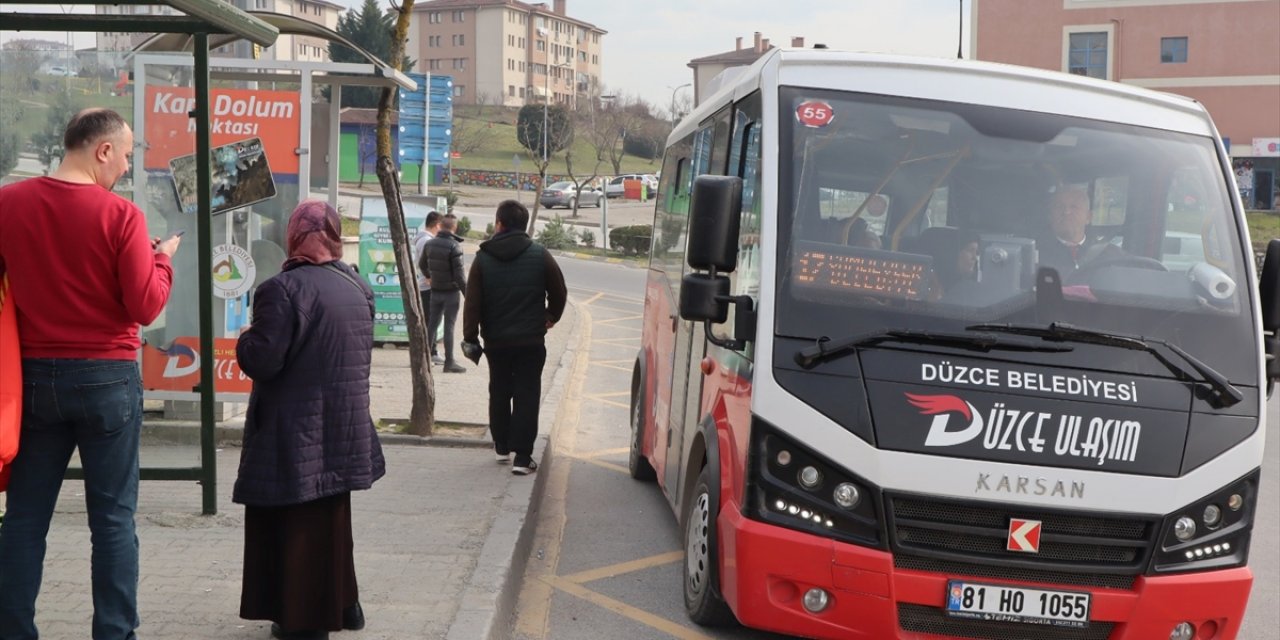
(464, 225)
(488, 231)
(556, 235)
(587, 238)
(634, 239)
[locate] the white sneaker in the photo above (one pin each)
(502, 458)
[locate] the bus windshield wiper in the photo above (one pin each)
(1222, 392)
(826, 348)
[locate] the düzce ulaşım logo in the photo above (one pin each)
(941, 408)
(1024, 535)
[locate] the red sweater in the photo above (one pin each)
(81, 268)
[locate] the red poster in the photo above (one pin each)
(176, 367)
(236, 114)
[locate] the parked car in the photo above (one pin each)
(564, 194)
(60, 71)
(615, 187)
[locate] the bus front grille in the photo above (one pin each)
(932, 620)
(977, 533)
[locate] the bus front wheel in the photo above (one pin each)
(702, 599)
(637, 464)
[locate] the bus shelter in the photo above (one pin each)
(225, 161)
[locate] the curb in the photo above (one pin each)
(488, 601)
(633, 264)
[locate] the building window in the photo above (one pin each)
(582, 55)
(1087, 54)
(595, 59)
(542, 45)
(521, 45)
(434, 17)
(459, 16)
(459, 40)
(434, 64)
(459, 90)
(1173, 49)
(521, 93)
(260, 4)
(511, 91)
(459, 63)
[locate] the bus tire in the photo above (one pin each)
(702, 600)
(637, 464)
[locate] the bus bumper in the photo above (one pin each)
(766, 571)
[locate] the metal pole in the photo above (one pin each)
(204, 236)
(426, 136)
(546, 103)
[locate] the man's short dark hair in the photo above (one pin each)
(89, 126)
(513, 215)
(449, 222)
(432, 218)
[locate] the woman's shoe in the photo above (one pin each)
(353, 617)
(278, 632)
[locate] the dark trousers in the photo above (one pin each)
(444, 306)
(426, 311)
(515, 391)
(94, 406)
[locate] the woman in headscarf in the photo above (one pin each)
(308, 440)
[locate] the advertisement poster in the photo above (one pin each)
(176, 366)
(241, 176)
(378, 265)
(235, 115)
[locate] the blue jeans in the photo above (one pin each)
(95, 405)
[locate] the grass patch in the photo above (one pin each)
(1263, 226)
(502, 146)
(350, 226)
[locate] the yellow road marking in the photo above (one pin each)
(599, 453)
(602, 363)
(603, 398)
(612, 320)
(626, 610)
(613, 570)
(588, 301)
(607, 465)
(534, 608)
(618, 342)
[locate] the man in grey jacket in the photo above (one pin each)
(441, 260)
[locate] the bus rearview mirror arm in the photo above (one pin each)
(744, 324)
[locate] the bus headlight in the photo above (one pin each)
(1204, 536)
(794, 487)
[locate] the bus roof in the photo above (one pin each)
(955, 80)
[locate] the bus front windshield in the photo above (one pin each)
(913, 214)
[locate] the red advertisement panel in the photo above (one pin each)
(176, 367)
(236, 114)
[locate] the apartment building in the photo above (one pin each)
(1223, 53)
(706, 68)
(507, 52)
(287, 47)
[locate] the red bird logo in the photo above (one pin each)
(941, 408)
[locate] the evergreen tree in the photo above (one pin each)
(369, 28)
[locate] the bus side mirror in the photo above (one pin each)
(704, 298)
(1269, 294)
(1269, 287)
(715, 210)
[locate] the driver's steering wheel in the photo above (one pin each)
(1086, 270)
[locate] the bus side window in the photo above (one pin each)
(672, 211)
(744, 161)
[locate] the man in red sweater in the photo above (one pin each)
(83, 275)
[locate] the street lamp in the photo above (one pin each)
(673, 102)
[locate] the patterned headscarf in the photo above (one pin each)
(314, 234)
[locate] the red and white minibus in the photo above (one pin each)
(938, 348)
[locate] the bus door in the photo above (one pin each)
(710, 150)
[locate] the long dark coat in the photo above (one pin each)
(308, 433)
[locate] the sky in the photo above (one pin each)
(649, 44)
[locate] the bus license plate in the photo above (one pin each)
(1003, 603)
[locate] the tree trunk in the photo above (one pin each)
(537, 199)
(422, 415)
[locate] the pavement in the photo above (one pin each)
(440, 542)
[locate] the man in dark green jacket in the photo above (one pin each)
(515, 293)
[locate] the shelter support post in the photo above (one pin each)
(204, 225)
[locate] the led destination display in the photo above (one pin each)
(859, 271)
